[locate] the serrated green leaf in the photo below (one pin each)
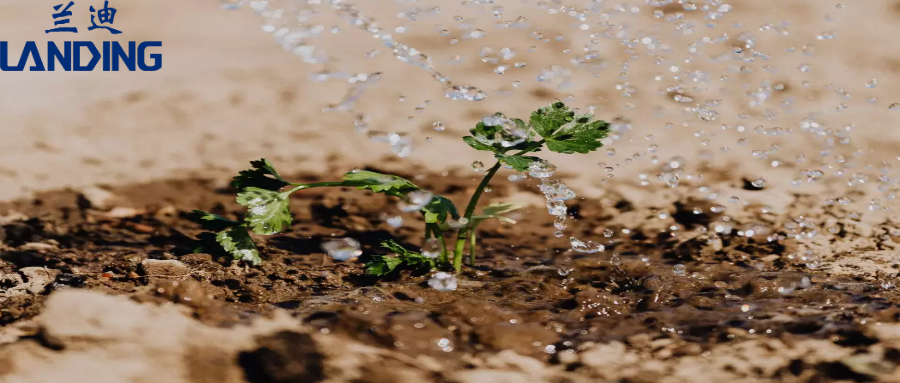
(477, 145)
(438, 209)
(578, 137)
(381, 265)
(237, 242)
(491, 138)
(565, 132)
(484, 134)
(519, 163)
(210, 221)
(546, 120)
(267, 211)
(262, 175)
(395, 247)
(379, 183)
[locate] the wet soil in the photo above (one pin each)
(741, 298)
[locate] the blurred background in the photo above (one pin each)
(755, 89)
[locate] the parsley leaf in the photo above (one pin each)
(381, 265)
(267, 210)
(566, 132)
(237, 242)
(477, 145)
(519, 163)
(490, 138)
(436, 211)
(210, 221)
(395, 247)
(379, 183)
(263, 176)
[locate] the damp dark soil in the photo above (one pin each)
(529, 293)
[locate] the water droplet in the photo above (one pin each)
(787, 288)
(232, 4)
(556, 190)
(511, 133)
(442, 281)
(812, 261)
(342, 249)
(457, 224)
(415, 200)
(478, 166)
(438, 126)
(476, 34)
(559, 223)
(615, 260)
(395, 221)
(557, 208)
(541, 169)
(589, 247)
(431, 248)
(462, 92)
(872, 83)
(894, 106)
(679, 270)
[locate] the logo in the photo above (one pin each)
(71, 55)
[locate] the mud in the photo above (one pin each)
(746, 307)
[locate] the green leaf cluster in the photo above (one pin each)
(268, 206)
(560, 129)
(381, 265)
(567, 132)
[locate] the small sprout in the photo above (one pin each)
(262, 191)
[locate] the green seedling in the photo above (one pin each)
(266, 194)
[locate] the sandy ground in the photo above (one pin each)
(228, 94)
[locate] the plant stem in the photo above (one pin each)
(444, 254)
(472, 234)
(315, 185)
(465, 231)
(432, 230)
(470, 209)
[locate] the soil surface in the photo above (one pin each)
(111, 283)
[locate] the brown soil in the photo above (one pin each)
(531, 310)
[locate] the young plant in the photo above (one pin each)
(266, 194)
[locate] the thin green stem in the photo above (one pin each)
(315, 185)
(465, 231)
(444, 254)
(432, 230)
(472, 234)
